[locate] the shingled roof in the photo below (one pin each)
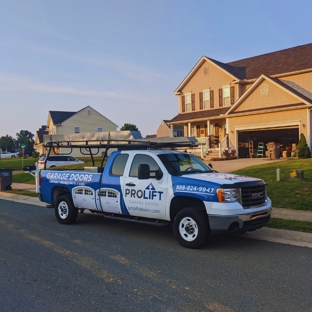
(283, 61)
(59, 117)
(201, 114)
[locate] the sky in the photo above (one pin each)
(125, 58)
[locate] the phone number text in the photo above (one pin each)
(191, 188)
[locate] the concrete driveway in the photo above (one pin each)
(240, 163)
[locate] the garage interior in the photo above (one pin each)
(270, 143)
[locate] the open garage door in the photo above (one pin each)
(249, 140)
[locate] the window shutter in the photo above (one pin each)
(232, 95)
(220, 98)
(201, 101)
(193, 101)
(183, 103)
(211, 99)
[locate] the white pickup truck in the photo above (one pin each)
(149, 184)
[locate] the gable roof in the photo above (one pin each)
(286, 86)
(59, 117)
(279, 62)
(235, 72)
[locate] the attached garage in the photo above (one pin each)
(253, 143)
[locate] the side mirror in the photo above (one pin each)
(159, 174)
(143, 172)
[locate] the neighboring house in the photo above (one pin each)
(164, 130)
(39, 140)
(241, 105)
(86, 120)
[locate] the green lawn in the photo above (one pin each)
(16, 163)
(287, 193)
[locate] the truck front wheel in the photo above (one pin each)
(65, 211)
(191, 228)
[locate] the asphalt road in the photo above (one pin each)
(107, 265)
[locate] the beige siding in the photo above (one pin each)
(275, 97)
(214, 80)
(163, 130)
(87, 122)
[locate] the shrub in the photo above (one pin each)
(35, 154)
(303, 149)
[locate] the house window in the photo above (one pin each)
(264, 89)
(226, 96)
(188, 102)
(77, 130)
(178, 134)
(89, 112)
(99, 129)
(206, 99)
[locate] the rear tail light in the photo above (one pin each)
(40, 181)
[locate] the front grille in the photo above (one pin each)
(253, 196)
(255, 224)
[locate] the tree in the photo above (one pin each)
(26, 138)
(7, 143)
(128, 126)
(303, 149)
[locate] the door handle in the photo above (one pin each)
(130, 184)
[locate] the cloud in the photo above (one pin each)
(127, 69)
(24, 84)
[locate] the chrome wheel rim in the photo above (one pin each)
(188, 229)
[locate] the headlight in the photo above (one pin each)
(228, 195)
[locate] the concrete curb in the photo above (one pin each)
(294, 238)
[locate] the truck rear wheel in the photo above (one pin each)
(65, 211)
(191, 228)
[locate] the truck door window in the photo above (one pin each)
(119, 164)
(143, 159)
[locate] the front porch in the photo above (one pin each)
(213, 138)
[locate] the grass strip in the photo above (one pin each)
(292, 225)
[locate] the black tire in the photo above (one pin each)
(191, 228)
(13, 156)
(65, 211)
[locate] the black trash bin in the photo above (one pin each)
(5, 179)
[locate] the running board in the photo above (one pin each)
(154, 222)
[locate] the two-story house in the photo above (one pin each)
(240, 105)
(86, 120)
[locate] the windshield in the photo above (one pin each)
(179, 164)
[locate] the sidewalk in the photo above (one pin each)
(273, 235)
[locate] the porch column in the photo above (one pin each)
(189, 129)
